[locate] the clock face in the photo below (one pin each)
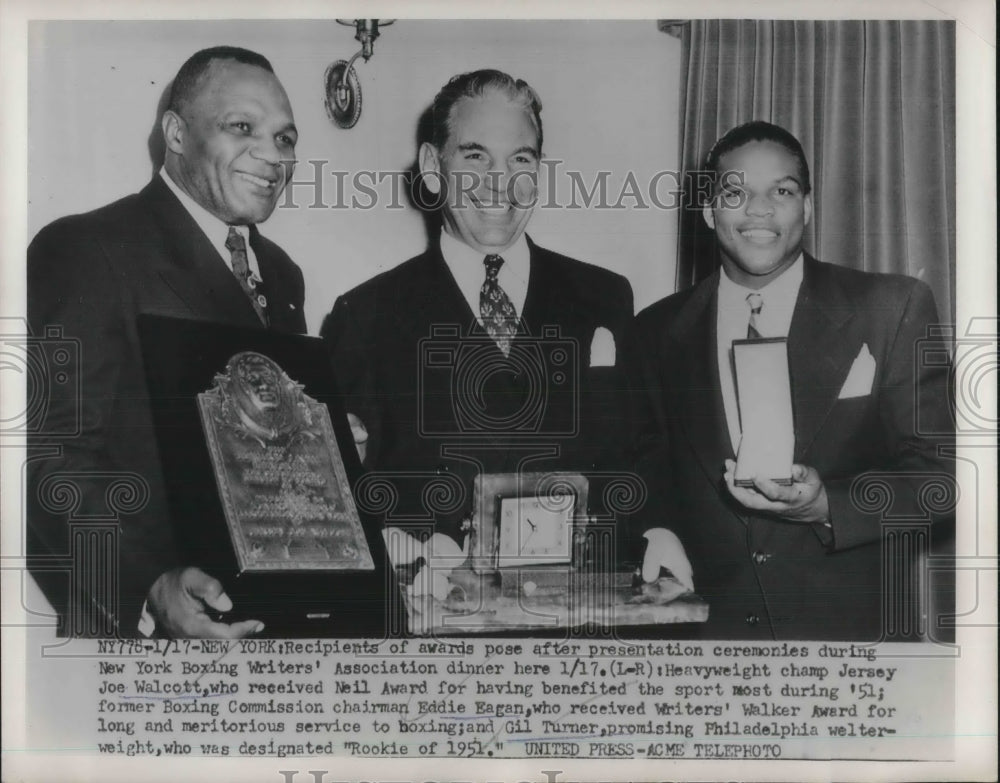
(535, 529)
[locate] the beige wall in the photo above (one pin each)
(609, 89)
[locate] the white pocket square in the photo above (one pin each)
(861, 377)
(602, 348)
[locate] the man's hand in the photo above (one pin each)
(804, 501)
(182, 602)
(360, 433)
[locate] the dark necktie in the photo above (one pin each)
(495, 308)
(237, 247)
(756, 302)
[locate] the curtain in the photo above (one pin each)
(873, 103)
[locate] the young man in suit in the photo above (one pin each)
(802, 561)
(187, 245)
(485, 353)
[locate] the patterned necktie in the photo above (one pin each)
(756, 302)
(495, 308)
(237, 247)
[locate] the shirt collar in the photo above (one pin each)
(782, 291)
(458, 254)
(214, 229)
(466, 267)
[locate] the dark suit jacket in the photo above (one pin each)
(452, 405)
(764, 577)
(92, 275)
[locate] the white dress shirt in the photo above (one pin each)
(213, 228)
(467, 267)
(774, 320)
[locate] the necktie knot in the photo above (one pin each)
(235, 241)
(756, 302)
(493, 263)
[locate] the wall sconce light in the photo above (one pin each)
(343, 90)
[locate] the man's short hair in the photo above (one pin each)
(758, 130)
(189, 76)
(476, 84)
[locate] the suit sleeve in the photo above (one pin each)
(349, 337)
(74, 290)
(917, 446)
(647, 450)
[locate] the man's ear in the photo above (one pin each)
(708, 213)
(430, 167)
(174, 128)
(807, 209)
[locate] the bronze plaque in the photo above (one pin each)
(279, 472)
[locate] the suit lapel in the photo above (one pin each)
(433, 297)
(277, 287)
(696, 376)
(537, 304)
(197, 273)
(818, 355)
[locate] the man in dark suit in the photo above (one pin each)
(485, 353)
(802, 561)
(187, 245)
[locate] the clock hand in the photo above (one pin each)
(533, 526)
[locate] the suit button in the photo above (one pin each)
(752, 619)
(760, 557)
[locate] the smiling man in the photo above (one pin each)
(801, 561)
(187, 246)
(485, 353)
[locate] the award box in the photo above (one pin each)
(764, 391)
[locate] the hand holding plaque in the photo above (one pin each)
(259, 463)
(187, 603)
